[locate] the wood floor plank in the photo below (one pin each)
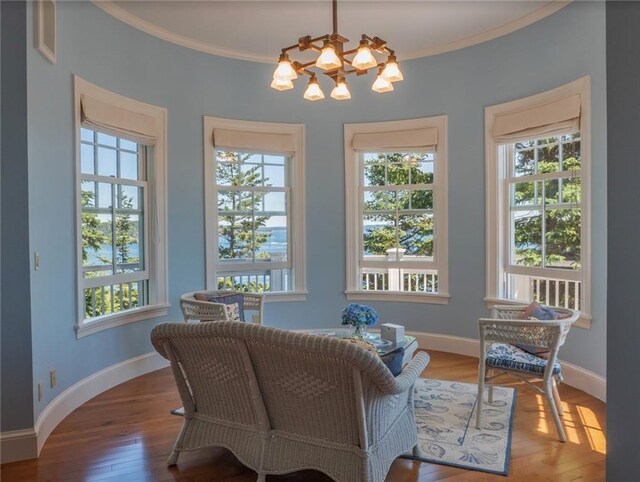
(126, 434)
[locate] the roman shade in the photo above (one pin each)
(120, 122)
(254, 141)
(554, 118)
(418, 139)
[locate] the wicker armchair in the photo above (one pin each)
(498, 352)
(193, 309)
(283, 401)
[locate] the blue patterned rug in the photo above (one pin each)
(445, 416)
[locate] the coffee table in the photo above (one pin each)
(383, 347)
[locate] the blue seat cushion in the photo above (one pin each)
(503, 355)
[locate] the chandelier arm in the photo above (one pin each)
(335, 16)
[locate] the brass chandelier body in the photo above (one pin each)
(336, 62)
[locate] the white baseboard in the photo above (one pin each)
(18, 445)
(27, 444)
(575, 376)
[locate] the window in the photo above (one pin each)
(121, 233)
(396, 202)
(255, 205)
(538, 191)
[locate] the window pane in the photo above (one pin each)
(398, 174)
(227, 174)
(274, 203)
(106, 139)
(236, 237)
(274, 176)
(86, 134)
(415, 234)
(526, 193)
(548, 158)
(374, 175)
(107, 299)
(379, 200)
(97, 237)
(104, 195)
(86, 159)
(128, 227)
(419, 281)
(524, 163)
(526, 229)
(271, 240)
(422, 173)
(129, 165)
(551, 191)
(128, 145)
(571, 156)
(421, 199)
(87, 194)
(563, 238)
(379, 235)
(571, 190)
(107, 165)
(238, 201)
(130, 197)
(274, 159)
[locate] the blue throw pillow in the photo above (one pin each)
(393, 360)
(230, 300)
(545, 314)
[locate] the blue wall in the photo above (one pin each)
(95, 46)
(15, 313)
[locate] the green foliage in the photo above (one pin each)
(384, 209)
(239, 228)
(252, 287)
(562, 222)
(124, 298)
(92, 236)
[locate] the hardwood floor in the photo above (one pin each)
(126, 434)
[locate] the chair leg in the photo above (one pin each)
(554, 412)
(481, 377)
(261, 478)
(556, 397)
(490, 401)
(173, 458)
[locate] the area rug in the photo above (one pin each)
(445, 416)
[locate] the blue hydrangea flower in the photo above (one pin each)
(358, 315)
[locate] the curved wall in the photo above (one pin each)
(99, 48)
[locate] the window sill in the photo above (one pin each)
(281, 296)
(119, 319)
(437, 299)
(583, 321)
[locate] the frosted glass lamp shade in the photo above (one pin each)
(328, 59)
(340, 91)
(285, 71)
(364, 59)
(382, 85)
(391, 70)
(313, 92)
(282, 84)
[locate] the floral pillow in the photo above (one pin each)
(234, 303)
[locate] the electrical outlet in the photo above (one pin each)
(52, 376)
(39, 391)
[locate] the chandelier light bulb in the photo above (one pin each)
(382, 85)
(282, 84)
(364, 59)
(285, 70)
(340, 91)
(328, 59)
(391, 70)
(313, 92)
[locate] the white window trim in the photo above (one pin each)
(495, 218)
(297, 207)
(354, 218)
(157, 214)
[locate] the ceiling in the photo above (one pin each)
(258, 30)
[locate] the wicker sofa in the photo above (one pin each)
(284, 401)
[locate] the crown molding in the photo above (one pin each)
(200, 46)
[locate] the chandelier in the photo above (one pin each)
(336, 62)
